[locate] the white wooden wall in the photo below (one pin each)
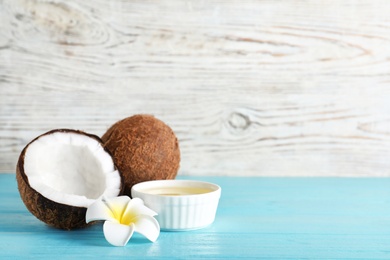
(264, 88)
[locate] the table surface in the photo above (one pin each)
(271, 218)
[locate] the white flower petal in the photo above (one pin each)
(147, 226)
(117, 206)
(117, 234)
(136, 207)
(99, 211)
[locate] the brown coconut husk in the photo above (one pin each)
(144, 148)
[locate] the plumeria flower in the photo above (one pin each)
(124, 216)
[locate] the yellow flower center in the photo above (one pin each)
(119, 214)
(127, 219)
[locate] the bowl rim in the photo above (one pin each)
(139, 187)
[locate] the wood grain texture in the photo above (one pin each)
(285, 88)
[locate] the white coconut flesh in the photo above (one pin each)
(70, 168)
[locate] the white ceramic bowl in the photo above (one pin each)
(180, 204)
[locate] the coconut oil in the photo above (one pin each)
(177, 191)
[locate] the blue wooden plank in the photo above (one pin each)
(270, 218)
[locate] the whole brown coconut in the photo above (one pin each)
(144, 148)
(61, 172)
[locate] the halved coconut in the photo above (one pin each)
(62, 172)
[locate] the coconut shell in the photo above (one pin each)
(144, 148)
(52, 213)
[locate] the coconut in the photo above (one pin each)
(144, 148)
(62, 172)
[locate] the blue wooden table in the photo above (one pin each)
(270, 218)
